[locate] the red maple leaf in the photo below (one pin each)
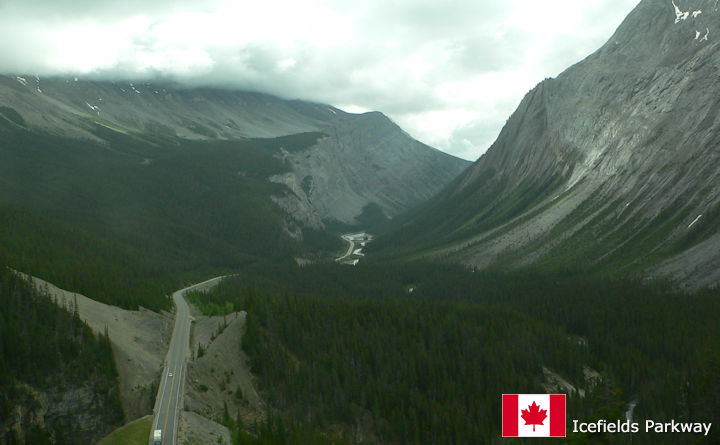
(534, 416)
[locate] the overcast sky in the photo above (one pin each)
(450, 72)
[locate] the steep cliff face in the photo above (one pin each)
(58, 380)
(78, 410)
(613, 163)
(368, 159)
(359, 160)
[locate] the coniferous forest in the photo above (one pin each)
(429, 365)
(129, 222)
(379, 353)
(47, 354)
(392, 353)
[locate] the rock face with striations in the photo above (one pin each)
(358, 160)
(615, 163)
(369, 159)
(78, 410)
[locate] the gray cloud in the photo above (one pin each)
(450, 72)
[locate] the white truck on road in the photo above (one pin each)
(157, 437)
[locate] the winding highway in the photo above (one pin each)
(351, 239)
(170, 393)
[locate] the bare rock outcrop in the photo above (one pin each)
(613, 163)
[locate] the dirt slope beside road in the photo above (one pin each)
(197, 430)
(139, 340)
(219, 374)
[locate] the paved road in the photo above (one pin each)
(170, 393)
(351, 245)
(351, 238)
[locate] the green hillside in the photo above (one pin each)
(127, 220)
(49, 361)
(429, 365)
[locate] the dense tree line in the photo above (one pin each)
(48, 348)
(426, 372)
(279, 430)
(76, 260)
(129, 221)
(429, 365)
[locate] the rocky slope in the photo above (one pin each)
(58, 379)
(139, 340)
(614, 163)
(74, 406)
(358, 160)
(219, 378)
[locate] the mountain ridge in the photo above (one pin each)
(345, 174)
(608, 166)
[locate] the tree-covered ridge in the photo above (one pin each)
(126, 221)
(74, 259)
(47, 349)
(428, 366)
(423, 371)
(164, 198)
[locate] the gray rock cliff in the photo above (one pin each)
(613, 163)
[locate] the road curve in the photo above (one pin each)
(170, 392)
(351, 246)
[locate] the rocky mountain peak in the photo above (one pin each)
(609, 164)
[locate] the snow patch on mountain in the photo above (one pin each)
(695, 221)
(94, 108)
(679, 14)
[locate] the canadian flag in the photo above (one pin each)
(533, 415)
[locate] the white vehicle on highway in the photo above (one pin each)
(157, 437)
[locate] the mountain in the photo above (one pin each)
(613, 165)
(355, 163)
(122, 191)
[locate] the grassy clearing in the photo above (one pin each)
(136, 432)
